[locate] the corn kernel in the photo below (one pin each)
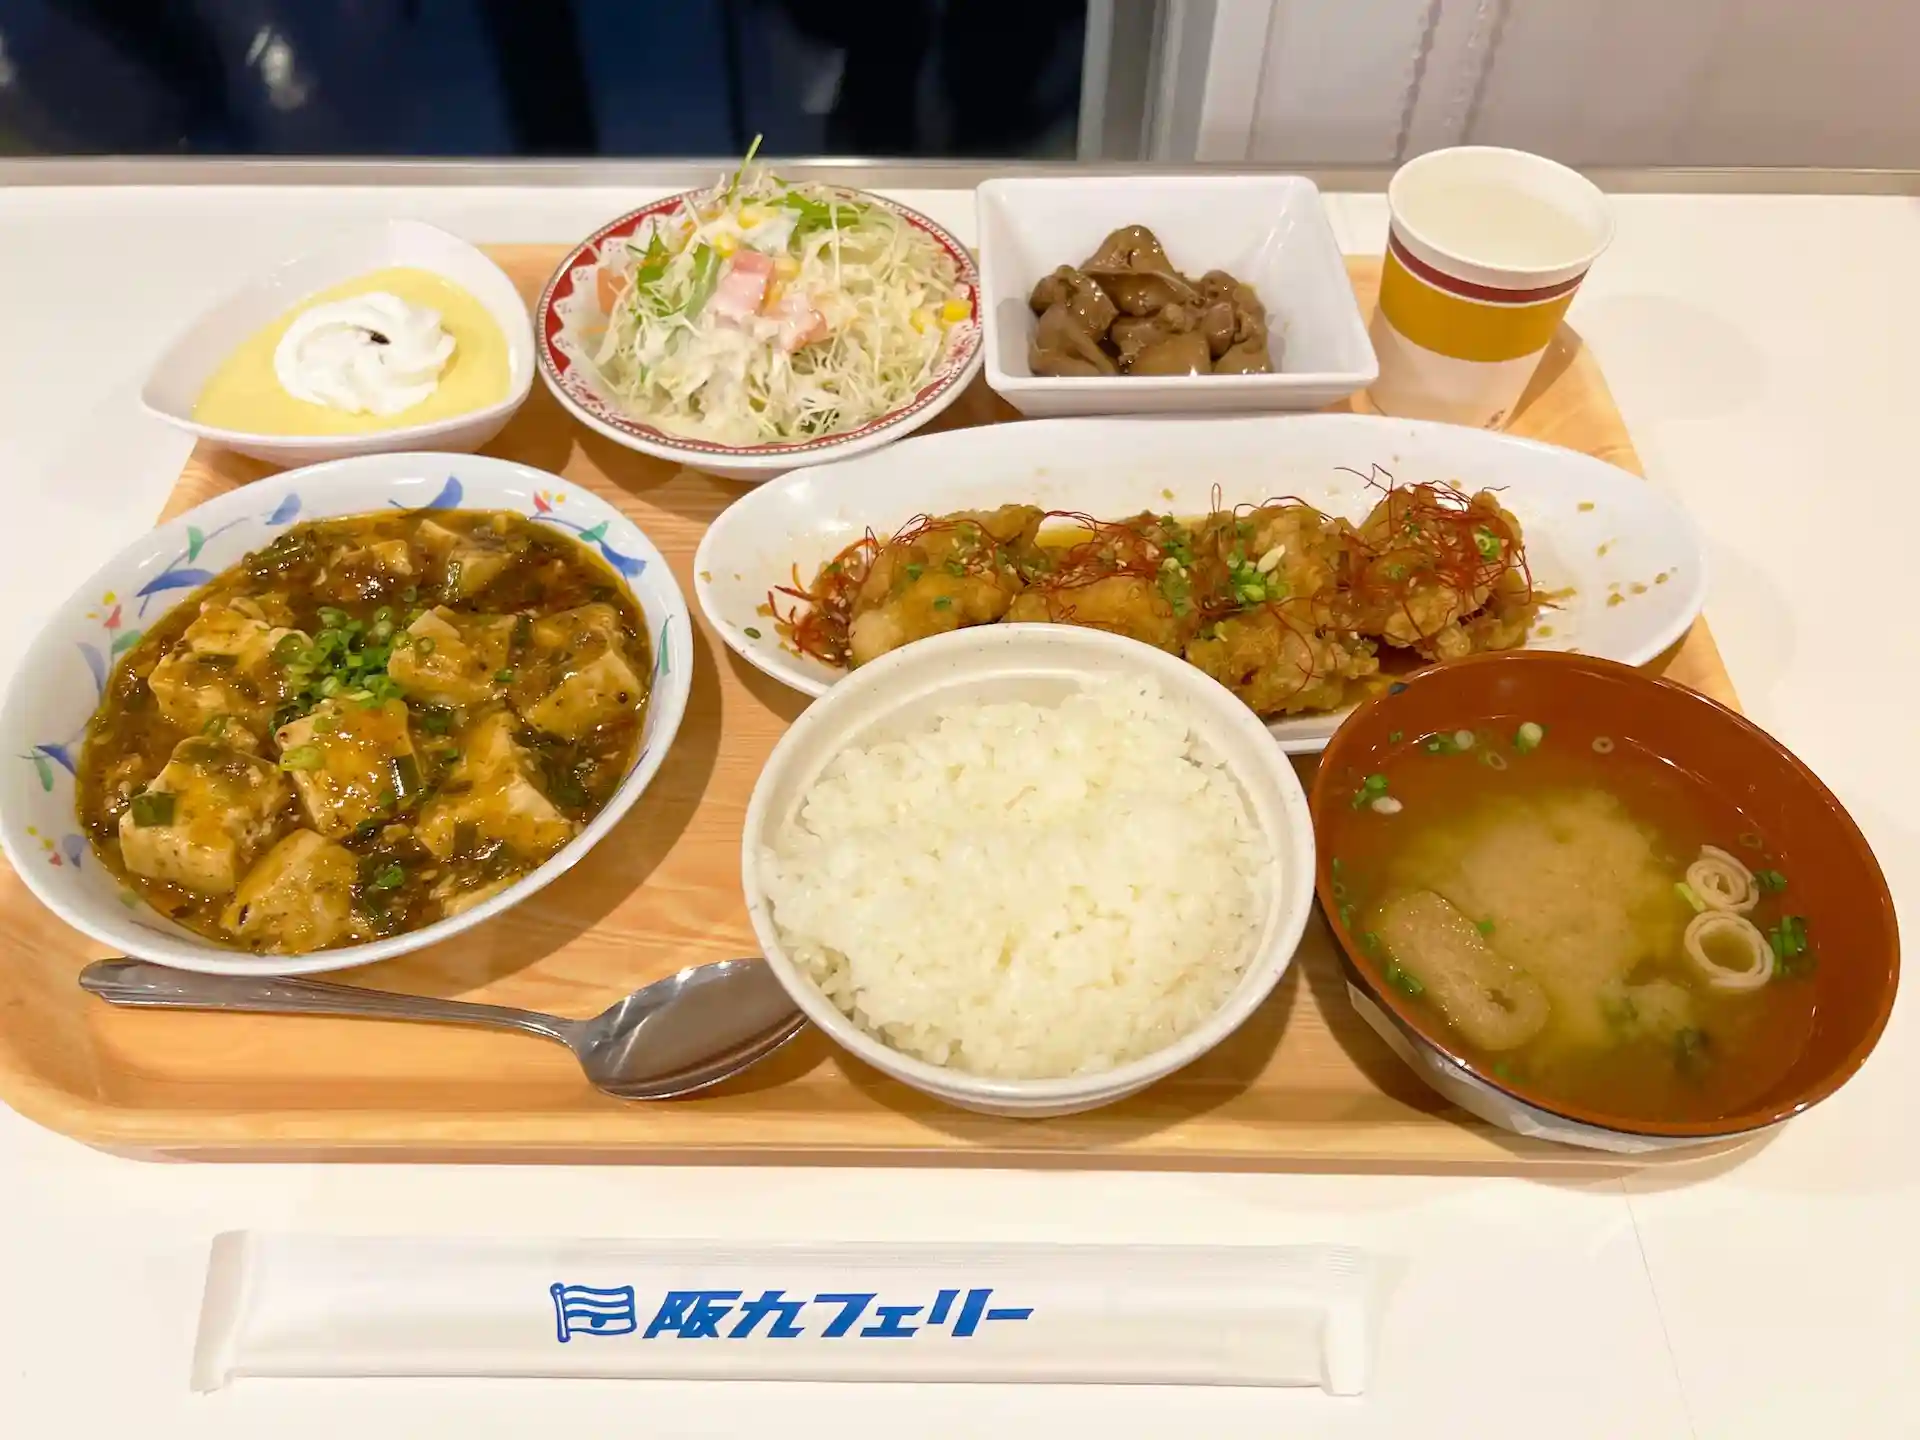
(725, 244)
(954, 311)
(922, 318)
(750, 216)
(772, 296)
(786, 267)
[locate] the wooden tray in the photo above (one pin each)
(1303, 1085)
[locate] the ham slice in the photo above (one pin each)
(800, 323)
(742, 286)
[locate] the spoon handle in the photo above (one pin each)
(137, 983)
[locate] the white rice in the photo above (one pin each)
(1025, 890)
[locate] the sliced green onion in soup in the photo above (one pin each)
(1792, 955)
(1404, 980)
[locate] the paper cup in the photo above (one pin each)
(1485, 251)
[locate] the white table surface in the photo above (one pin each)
(1763, 351)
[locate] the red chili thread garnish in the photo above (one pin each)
(1430, 538)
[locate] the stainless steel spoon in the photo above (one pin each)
(672, 1037)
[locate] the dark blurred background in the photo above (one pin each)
(980, 78)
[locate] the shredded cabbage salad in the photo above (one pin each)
(759, 312)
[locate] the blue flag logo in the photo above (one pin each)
(584, 1310)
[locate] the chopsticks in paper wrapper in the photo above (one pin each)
(316, 1305)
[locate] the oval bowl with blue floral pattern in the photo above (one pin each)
(60, 681)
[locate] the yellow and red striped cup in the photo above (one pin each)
(1485, 251)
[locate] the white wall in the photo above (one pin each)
(1598, 82)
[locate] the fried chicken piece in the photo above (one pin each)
(1501, 624)
(1277, 661)
(1422, 566)
(1086, 549)
(942, 574)
(1125, 604)
(1133, 577)
(1282, 551)
(1508, 616)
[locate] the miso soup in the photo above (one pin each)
(1581, 919)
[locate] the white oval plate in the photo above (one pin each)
(1629, 554)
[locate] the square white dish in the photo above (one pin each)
(174, 384)
(1270, 231)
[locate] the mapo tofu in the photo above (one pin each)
(371, 724)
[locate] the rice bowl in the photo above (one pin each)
(1028, 870)
(1027, 891)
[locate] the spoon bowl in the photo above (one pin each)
(674, 1037)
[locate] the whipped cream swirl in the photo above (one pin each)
(371, 353)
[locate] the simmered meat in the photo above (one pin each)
(1126, 311)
